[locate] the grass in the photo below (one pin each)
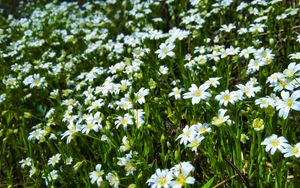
(87, 94)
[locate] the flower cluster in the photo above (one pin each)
(178, 176)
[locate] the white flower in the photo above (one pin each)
(93, 122)
(225, 97)
(274, 142)
(183, 167)
(161, 178)
(249, 89)
(197, 94)
(292, 70)
(113, 179)
(221, 118)
(126, 144)
(70, 132)
(140, 95)
(176, 93)
(194, 142)
(163, 70)
(26, 162)
(96, 176)
(227, 28)
(292, 151)
(264, 102)
(187, 133)
(53, 175)
(37, 134)
(213, 81)
(165, 50)
(259, 28)
(288, 102)
(181, 179)
(54, 159)
(35, 81)
(124, 121)
(201, 128)
(126, 162)
(295, 55)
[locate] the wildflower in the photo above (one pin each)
(247, 52)
(181, 179)
(96, 176)
(274, 142)
(93, 122)
(113, 179)
(288, 102)
(51, 176)
(70, 132)
(138, 116)
(140, 95)
(126, 162)
(184, 167)
(257, 28)
(295, 55)
(227, 28)
(126, 144)
(54, 159)
(176, 93)
(165, 50)
(254, 65)
(201, 128)
(197, 94)
(124, 121)
(194, 142)
(161, 178)
(213, 81)
(225, 97)
(249, 89)
(292, 151)
(32, 171)
(264, 102)
(187, 133)
(26, 162)
(69, 161)
(35, 81)
(163, 70)
(244, 138)
(221, 118)
(264, 54)
(2, 98)
(298, 39)
(292, 70)
(258, 124)
(38, 134)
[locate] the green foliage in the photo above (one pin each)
(139, 93)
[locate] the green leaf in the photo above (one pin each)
(208, 184)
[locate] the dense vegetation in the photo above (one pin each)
(156, 93)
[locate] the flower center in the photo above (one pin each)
(181, 180)
(275, 143)
(290, 103)
(226, 97)
(37, 82)
(165, 50)
(295, 151)
(197, 93)
(89, 126)
(162, 181)
(202, 129)
(124, 121)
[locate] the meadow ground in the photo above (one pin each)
(156, 93)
